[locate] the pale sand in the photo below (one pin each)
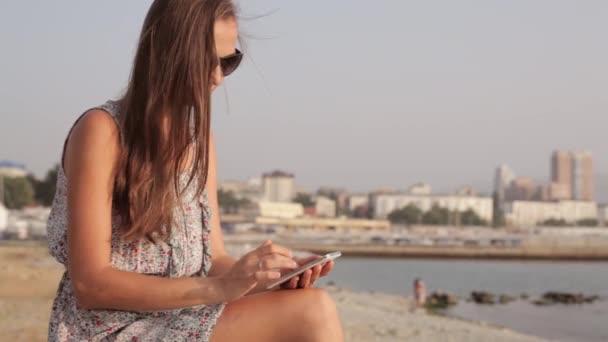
(29, 278)
(370, 317)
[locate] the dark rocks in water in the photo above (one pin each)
(481, 297)
(542, 302)
(550, 298)
(440, 300)
(488, 298)
(505, 299)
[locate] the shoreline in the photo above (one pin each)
(569, 253)
(575, 253)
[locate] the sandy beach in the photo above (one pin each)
(29, 277)
(379, 317)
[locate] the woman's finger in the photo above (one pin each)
(293, 283)
(267, 276)
(316, 273)
(270, 248)
(327, 268)
(305, 279)
(286, 285)
(275, 262)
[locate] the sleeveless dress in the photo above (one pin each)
(187, 253)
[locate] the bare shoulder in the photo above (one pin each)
(96, 123)
(95, 139)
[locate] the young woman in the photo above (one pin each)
(135, 215)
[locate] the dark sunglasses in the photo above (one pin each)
(231, 62)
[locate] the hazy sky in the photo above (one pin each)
(352, 93)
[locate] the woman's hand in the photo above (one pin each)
(309, 277)
(255, 270)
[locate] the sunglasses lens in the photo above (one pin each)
(231, 63)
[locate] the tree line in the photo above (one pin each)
(411, 214)
(20, 192)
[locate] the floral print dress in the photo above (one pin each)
(186, 253)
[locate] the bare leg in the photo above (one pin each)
(289, 315)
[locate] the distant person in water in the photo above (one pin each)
(419, 293)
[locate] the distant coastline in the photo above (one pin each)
(574, 253)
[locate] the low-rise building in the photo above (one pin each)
(325, 207)
(280, 209)
(243, 190)
(3, 219)
(420, 189)
(325, 224)
(357, 201)
(235, 186)
(529, 213)
(384, 204)
(340, 196)
(466, 190)
(12, 169)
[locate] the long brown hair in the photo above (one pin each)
(165, 112)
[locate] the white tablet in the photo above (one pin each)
(301, 269)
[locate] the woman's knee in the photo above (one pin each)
(319, 310)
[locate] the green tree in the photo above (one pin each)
(18, 192)
(590, 222)
(410, 214)
(304, 199)
(436, 216)
(227, 201)
(44, 190)
(555, 223)
(470, 218)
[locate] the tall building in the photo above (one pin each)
(523, 189)
(559, 191)
(278, 186)
(582, 176)
(561, 175)
(502, 180)
(571, 176)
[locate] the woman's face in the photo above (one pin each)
(226, 35)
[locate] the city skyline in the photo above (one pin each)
(419, 93)
(600, 182)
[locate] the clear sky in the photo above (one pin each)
(354, 93)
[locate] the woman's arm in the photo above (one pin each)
(90, 160)
(221, 262)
